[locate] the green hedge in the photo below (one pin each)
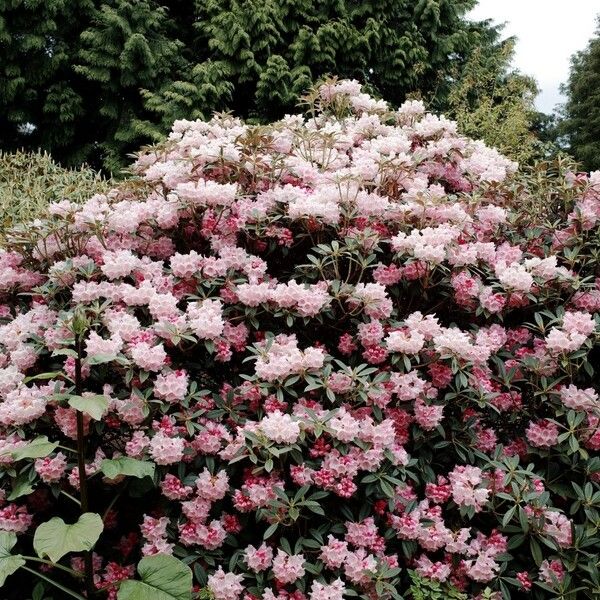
(30, 180)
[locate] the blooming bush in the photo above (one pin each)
(319, 359)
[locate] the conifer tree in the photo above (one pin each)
(93, 80)
(42, 101)
(580, 124)
(494, 102)
(129, 46)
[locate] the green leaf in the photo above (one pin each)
(37, 448)
(163, 578)
(21, 487)
(536, 552)
(387, 489)
(523, 521)
(95, 406)
(100, 359)
(64, 352)
(270, 531)
(42, 376)
(55, 538)
(124, 465)
(8, 563)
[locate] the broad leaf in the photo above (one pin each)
(55, 538)
(8, 563)
(21, 487)
(64, 352)
(95, 406)
(124, 465)
(163, 578)
(37, 448)
(100, 359)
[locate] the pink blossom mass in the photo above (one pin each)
(319, 359)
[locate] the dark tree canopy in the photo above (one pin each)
(580, 125)
(91, 80)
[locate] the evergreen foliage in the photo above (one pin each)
(30, 181)
(92, 80)
(580, 126)
(42, 101)
(493, 102)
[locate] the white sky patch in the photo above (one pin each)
(548, 33)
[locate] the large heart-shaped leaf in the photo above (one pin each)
(163, 578)
(124, 465)
(9, 563)
(37, 448)
(55, 538)
(95, 406)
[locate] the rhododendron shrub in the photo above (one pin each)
(314, 360)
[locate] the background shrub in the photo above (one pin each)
(92, 80)
(30, 181)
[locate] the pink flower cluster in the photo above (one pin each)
(324, 357)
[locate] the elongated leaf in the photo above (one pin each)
(95, 406)
(55, 538)
(9, 563)
(163, 578)
(536, 551)
(42, 376)
(37, 448)
(124, 465)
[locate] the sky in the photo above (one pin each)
(548, 32)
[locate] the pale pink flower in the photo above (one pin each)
(205, 319)
(333, 554)
(197, 509)
(552, 572)
(96, 346)
(514, 277)
(343, 426)
(212, 487)
(542, 434)
(333, 591)
(287, 568)
(66, 420)
(428, 416)
(147, 357)
(559, 527)
(225, 586)
(364, 534)
(49, 469)
(119, 264)
(360, 566)
(438, 571)
(483, 568)
(467, 487)
(258, 559)
(280, 427)
(15, 518)
(23, 405)
(578, 399)
(171, 386)
(166, 450)
(186, 265)
(173, 489)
